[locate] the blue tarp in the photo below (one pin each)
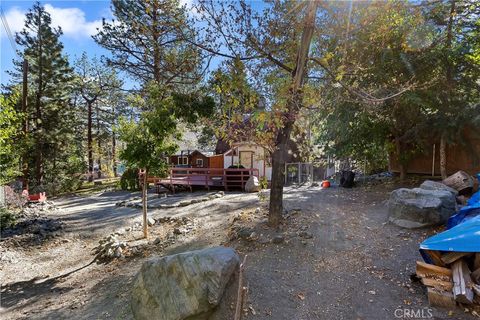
(471, 210)
(462, 238)
(463, 231)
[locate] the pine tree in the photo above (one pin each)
(49, 112)
(149, 41)
(95, 83)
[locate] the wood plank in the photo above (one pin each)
(451, 257)
(476, 261)
(440, 298)
(426, 270)
(439, 284)
(462, 282)
(476, 289)
(476, 276)
(436, 257)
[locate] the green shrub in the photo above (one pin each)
(7, 218)
(263, 182)
(129, 180)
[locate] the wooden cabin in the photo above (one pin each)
(190, 159)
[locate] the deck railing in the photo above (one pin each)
(209, 177)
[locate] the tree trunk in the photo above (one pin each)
(99, 145)
(447, 92)
(89, 141)
(293, 105)
(114, 155)
(144, 203)
(25, 169)
(38, 107)
(443, 156)
(401, 162)
(278, 175)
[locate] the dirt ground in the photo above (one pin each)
(339, 258)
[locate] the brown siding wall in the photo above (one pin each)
(216, 161)
(196, 156)
(464, 157)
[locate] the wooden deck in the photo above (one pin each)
(207, 177)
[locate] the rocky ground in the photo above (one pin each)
(335, 257)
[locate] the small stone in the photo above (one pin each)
(118, 252)
(257, 210)
(372, 292)
(157, 241)
(244, 233)
(150, 221)
(305, 234)
(278, 239)
(177, 231)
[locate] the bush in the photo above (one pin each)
(129, 180)
(7, 218)
(263, 182)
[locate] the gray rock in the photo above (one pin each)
(434, 185)
(118, 252)
(244, 232)
(183, 286)
(305, 234)
(150, 221)
(278, 239)
(252, 184)
(417, 208)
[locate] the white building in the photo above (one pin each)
(249, 155)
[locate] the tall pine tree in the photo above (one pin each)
(49, 113)
(149, 40)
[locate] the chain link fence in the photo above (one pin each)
(299, 173)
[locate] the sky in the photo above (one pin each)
(79, 20)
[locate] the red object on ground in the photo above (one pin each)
(38, 197)
(325, 184)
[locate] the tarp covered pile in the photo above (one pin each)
(452, 269)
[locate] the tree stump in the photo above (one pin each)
(460, 181)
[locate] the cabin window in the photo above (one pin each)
(199, 162)
(183, 160)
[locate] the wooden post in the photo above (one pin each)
(299, 173)
(433, 161)
(240, 292)
(241, 180)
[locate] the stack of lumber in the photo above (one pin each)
(454, 279)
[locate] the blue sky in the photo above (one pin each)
(78, 19)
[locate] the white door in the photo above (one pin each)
(246, 159)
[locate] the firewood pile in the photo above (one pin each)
(455, 279)
(452, 275)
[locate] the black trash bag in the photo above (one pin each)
(347, 179)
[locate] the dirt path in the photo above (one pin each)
(340, 259)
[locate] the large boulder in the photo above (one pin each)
(252, 184)
(185, 285)
(417, 208)
(434, 185)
